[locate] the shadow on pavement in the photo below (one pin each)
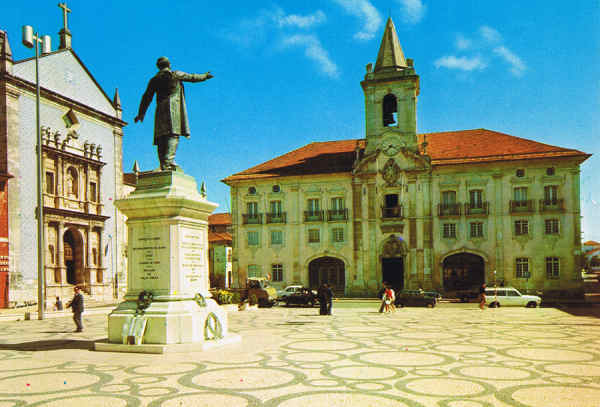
(51, 344)
(581, 311)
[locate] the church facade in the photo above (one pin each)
(81, 131)
(445, 211)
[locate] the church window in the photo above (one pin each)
(522, 267)
(550, 171)
(254, 271)
(252, 191)
(72, 182)
(276, 237)
(449, 230)
(276, 188)
(49, 183)
(252, 238)
(551, 226)
(277, 272)
(93, 192)
(314, 236)
(476, 229)
(552, 267)
(520, 173)
(338, 234)
(390, 110)
(521, 227)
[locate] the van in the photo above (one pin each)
(509, 296)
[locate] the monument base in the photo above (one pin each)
(229, 339)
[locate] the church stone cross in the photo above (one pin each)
(66, 10)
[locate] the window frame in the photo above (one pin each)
(280, 242)
(551, 226)
(449, 231)
(479, 229)
(277, 272)
(552, 267)
(311, 235)
(522, 267)
(521, 227)
(249, 241)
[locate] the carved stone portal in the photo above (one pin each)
(394, 246)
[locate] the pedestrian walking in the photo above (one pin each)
(76, 305)
(58, 305)
(323, 294)
(482, 296)
(388, 299)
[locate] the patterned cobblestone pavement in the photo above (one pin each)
(450, 356)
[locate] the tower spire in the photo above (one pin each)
(390, 56)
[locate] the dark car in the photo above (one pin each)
(415, 298)
(302, 297)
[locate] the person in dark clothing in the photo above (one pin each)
(329, 299)
(58, 304)
(76, 305)
(323, 300)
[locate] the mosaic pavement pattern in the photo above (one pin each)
(450, 356)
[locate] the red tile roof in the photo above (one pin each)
(214, 237)
(444, 148)
(591, 243)
(219, 219)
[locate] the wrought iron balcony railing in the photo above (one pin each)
(552, 205)
(392, 212)
(252, 218)
(337, 214)
(449, 209)
(276, 217)
(476, 208)
(525, 205)
(313, 216)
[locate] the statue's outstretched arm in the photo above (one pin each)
(193, 77)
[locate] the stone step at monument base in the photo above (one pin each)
(151, 348)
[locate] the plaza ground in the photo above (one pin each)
(454, 355)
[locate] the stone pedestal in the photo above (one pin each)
(167, 221)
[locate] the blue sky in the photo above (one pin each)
(287, 73)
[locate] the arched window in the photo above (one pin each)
(390, 109)
(72, 182)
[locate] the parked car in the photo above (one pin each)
(415, 298)
(509, 296)
(289, 290)
(259, 288)
(304, 296)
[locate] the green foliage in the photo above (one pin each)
(224, 297)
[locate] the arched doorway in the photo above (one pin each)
(392, 262)
(463, 271)
(327, 270)
(73, 256)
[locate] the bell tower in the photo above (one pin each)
(391, 90)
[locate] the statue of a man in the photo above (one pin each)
(170, 120)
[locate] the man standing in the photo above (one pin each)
(170, 119)
(76, 305)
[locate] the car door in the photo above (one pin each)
(513, 297)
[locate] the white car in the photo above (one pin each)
(509, 296)
(289, 290)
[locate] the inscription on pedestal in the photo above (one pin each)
(150, 257)
(192, 250)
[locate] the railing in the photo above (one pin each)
(452, 209)
(526, 205)
(337, 214)
(478, 208)
(552, 205)
(313, 216)
(392, 212)
(252, 218)
(277, 217)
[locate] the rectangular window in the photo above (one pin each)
(476, 229)
(551, 226)
(314, 236)
(520, 195)
(550, 194)
(337, 204)
(449, 230)
(277, 272)
(552, 267)
(252, 238)
(93, 192)
(275, 208)
(391, 200)
(448, 198)
(522, 267)
(475, 199)
(313, 205)
(254, 270)
(50, 183)
(521, 227)
(338, 234)
(276, 237)
(252, 208)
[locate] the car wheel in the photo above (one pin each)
(431, 305)
(495, 305)
(531, 304)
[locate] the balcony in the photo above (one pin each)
(552, 205)
(337, 214)
(522, 206)
(252, 218)
(449, 209)
(313, 216)
(392, 212)
(477, 209)
(277, 217)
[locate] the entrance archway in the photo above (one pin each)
(463, 271)
(327, 270)
(73, 256)
(392, 262)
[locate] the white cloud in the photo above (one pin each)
(462, 43)
(517, 67)
(313, 50)
(490, 34)
(299, 21)
(461, 63)
(369, 15)
(413, 11)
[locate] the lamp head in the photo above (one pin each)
(28, 36)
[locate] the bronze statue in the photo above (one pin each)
(170, 119)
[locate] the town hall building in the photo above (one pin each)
(444, 211)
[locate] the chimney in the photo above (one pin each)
(65, 38)
(6, 61)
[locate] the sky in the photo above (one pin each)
(287, 73)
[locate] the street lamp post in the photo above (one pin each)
(30, 40)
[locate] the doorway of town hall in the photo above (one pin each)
(327, 270)
(392, 272)
(463, 271)
(73, 256)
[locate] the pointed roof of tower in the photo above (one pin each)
(390, 56)
(117, 99)
(5, 51)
